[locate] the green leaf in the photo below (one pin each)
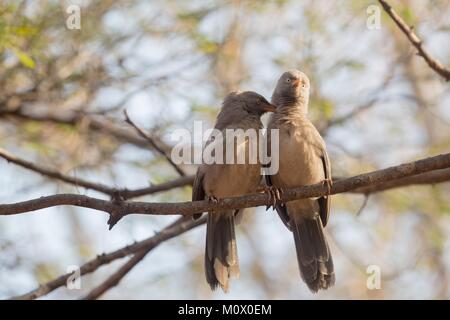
(25, 59)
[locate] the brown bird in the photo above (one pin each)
(303, 160)
(240, 110)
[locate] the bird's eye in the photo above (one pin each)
(288, 80)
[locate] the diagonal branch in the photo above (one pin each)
(123, 193)
(117, 276)
(103, 125)
(55, 174)
(434, 64)
(153, 144)
(118, 209)
(171, 231)
(428, 178)
(172, 184)
(364, 107)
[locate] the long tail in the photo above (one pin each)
(221, 259)
(313, 254)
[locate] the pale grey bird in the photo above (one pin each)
(240, 110)
(303, 160)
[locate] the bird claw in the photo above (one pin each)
(275, 195)
(329, 184)
(213, 199)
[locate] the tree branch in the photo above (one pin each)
(153, 144)
(432, 177)
(434, 64)
(406, 174)
(178, 227)
(119, 209)
(55, 174)
(114, 280)
(364, 107)
(172, 184)
(122, 193)
(105, 125)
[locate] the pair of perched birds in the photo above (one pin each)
(303, 160)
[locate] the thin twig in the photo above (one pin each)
(103, 125)
(364, 204)
(114, 279)
(124, 193)
(164, 186)
(55, 174)
(434, 64)
(366, 106)
(153, 144)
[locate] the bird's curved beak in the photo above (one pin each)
(268, 107)
(295, 83)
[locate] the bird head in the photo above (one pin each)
(293, 85)
(255, 103)
(239, 105)
(250, 102)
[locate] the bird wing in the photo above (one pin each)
(198, 193)
(281, 210)
(325, 201)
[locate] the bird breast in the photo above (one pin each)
(233, 179)
(300, 160)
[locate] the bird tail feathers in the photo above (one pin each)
(313, 254)
(221, 259)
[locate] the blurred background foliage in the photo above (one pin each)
(62, 96)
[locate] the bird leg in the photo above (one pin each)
(329, 183)
(280, 195)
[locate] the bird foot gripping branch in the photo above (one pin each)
(213, 199)
(275, 195)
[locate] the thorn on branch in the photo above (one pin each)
(116, 213)
(114, 217)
